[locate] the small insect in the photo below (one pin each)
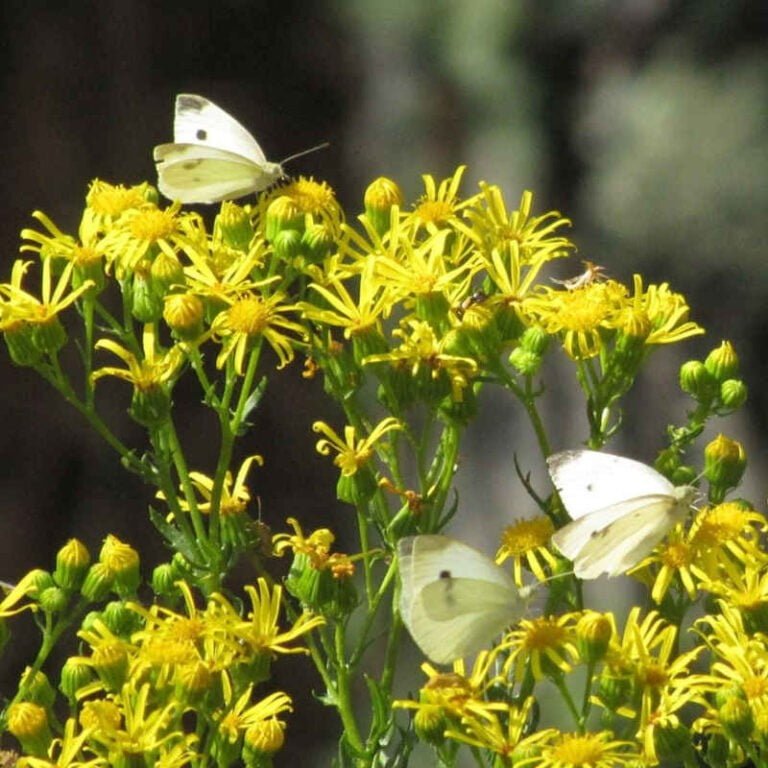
(592, 273)
(477, 297)
(212, 157)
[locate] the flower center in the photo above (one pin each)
(153, 225)
(249, 316)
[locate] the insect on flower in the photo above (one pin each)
(592, 273)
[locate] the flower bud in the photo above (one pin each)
(287, 245)
(120, 620)
(319, 589)
(380, 197)
(718, 751)
(74, 676)
(123, 561)
(723, 362)
(165, 273)
(697, 381)
(110, 662)
(98, 583)
(262, 740)
(72, 562)
(163, 580)
(234, 225)
(673, 742)
(38, 688)
(146, 300)
(733, 393)
(28, 722)
(615, 690)
(53, 600)
(724, 465)
(283, 213)
(183, 314)
(593, 634)
(535, 339)
(525, 362)
(318, 242)
(193, 681)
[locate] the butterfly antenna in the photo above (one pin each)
(324, 145)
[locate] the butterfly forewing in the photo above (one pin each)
(199, 121)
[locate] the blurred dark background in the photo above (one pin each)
(642, 120)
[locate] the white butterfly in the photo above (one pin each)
(454, 600)
(621, 509)
(212, 157)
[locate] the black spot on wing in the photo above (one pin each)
(445, 574)
(201, 134)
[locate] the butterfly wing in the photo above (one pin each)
(199, 121)
(192, 173)
(454, 600)
(588, 481)
(622, 544)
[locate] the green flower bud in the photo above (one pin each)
(535, 339)
(28, 722)
(380, 197)
(123, 561)
(150, 406)
(193, 681)
(615, 690)
(72, 562)
(283, 213)
(433, 308)
(146, 300)
(89, 265)
(98, 583)
(508, 322)
(697, 381)
(319, 589)
(53, 600)
(733, 393)
(120, 620)
(288, 245)
(358, 488)
(723, 362)
(593, 635)
(736, 718)
(234, 226)
(49, 337)
(183, 314)
(19, 339)
(41, 580)
(524, 361)
(366, 342)
(163, 580)
(318, 242)
(724, 465)
(110, 662)
(74, 676)
(718, 751)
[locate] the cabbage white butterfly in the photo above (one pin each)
(212, 157)
(621, 509)
(454, 600)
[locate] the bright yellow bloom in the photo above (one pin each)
(582, 750)
(18, 304)
(243, 715)
(69, 751)
(316, 200)
(155, 368)
(28, 585)
(526, 541)
(251, 317)
(355, 316)
(106, 203)
(667, 311)
(353, 454)
(546, 645)
(440, 206)
(316, 547)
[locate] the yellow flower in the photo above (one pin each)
(353, 454)
(526, 541)
(314, 199)
(317, 549)
(142, 232)
(547, 645)
(667, 311)
(440, 205)
(582, 316)
(69, 751)
(106, 203)
(251, 317)
(28, 585)
(582, 750)
(243, 715)
(148, 372)
(355, 316)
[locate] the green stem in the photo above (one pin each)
(344, 694)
